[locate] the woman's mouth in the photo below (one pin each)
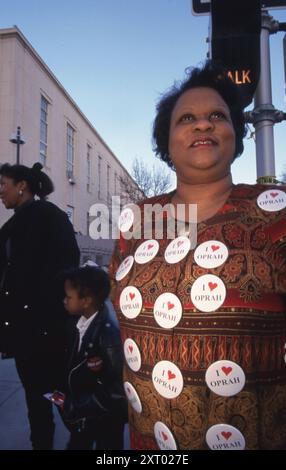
(203, 142)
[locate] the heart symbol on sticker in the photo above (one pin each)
(171, 375)
(149, 247)
(226, 435)
(273, 194)
(180, 242)
(215, 247)
(128, 390)
(226, 370)
(212, 285)
(130, 348)
(165, 437)
(131, 295)
(170, 305)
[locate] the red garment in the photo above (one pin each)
(249, 329)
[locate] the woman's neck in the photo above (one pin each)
(25, 200)
(203, 193)
(209, 197)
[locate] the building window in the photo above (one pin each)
(99, 165)
(108, 184)
(87, 223)
(70, 152)
(43, 130)
(70, 213)
(115, 183)
(88, 167)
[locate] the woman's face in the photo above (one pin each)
(202, 137)
(9, 192)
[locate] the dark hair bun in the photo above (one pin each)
(40, 183)
(37, 167)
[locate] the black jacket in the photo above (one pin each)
(95, 395)
(36, 244)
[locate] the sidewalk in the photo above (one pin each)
(14, 426)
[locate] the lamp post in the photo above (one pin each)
(16, 139)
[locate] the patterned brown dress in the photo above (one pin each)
(243, 339)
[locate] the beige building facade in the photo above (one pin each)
(83, 168)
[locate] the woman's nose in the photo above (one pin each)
(203, 124)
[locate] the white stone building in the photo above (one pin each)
(82, 166)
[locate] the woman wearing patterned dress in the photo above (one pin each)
(204, 324)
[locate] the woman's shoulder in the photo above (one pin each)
(253, 191)
(268, 198)
(48, 209)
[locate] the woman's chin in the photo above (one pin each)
(200, 166)
(203, 162)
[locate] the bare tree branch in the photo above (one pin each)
(142, 176)
(129, 190)
(146, 182)
(152, 182)
(161, 181)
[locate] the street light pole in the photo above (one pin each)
(264, 115)
(17, 140)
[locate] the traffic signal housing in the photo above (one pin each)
(235, 41)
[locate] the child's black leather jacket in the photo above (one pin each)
(93, 394)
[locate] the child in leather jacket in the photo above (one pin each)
(95, 408)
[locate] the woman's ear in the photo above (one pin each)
(22, 186)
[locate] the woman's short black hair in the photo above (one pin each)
(211, 76)
(89, 281)
(38, 182)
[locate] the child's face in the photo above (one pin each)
(73, 303)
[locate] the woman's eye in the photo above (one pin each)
(187, 118)
(217, 115)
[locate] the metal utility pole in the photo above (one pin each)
(16, 139)
(264, 115)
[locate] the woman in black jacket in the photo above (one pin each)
(36, 243)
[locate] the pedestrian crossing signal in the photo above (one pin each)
(235, 42)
